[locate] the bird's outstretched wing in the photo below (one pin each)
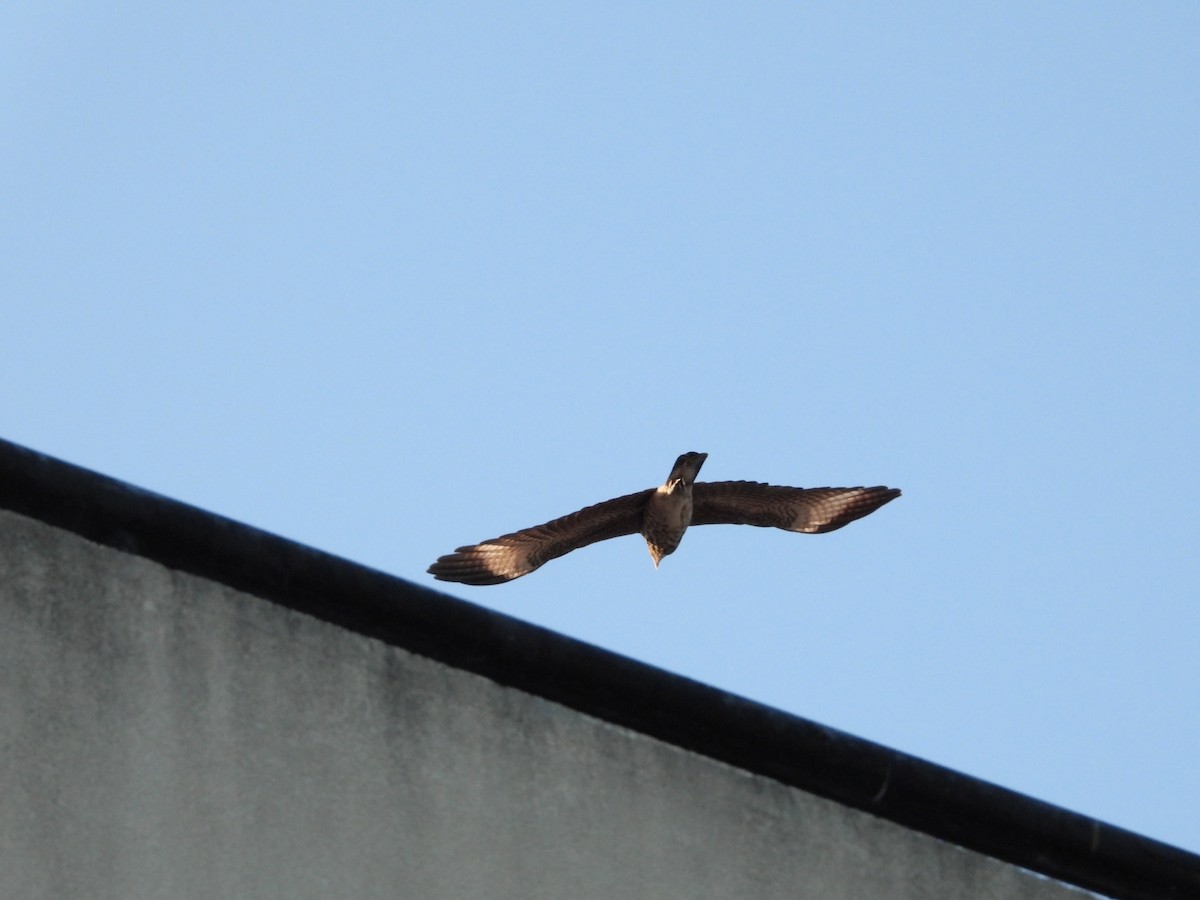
(513, 555)
(809, 510)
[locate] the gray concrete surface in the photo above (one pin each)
(166, 736)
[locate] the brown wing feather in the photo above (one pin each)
(513, 555)
(808, 510)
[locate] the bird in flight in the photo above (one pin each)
(662, 515)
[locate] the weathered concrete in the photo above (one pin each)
(166, 736)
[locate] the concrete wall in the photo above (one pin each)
(166, 736)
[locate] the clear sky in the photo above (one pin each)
(388, 278)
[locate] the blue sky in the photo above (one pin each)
(392, 278)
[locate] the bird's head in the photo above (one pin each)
(686, 468)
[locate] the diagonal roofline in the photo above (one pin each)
(911, 792)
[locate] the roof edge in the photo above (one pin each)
(911, 792)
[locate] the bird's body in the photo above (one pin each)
(662, 515)
(669, 508)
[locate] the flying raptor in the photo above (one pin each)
(662, 515)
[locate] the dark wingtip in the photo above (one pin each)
(464, 567)
(879, 496)
(883, 494)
